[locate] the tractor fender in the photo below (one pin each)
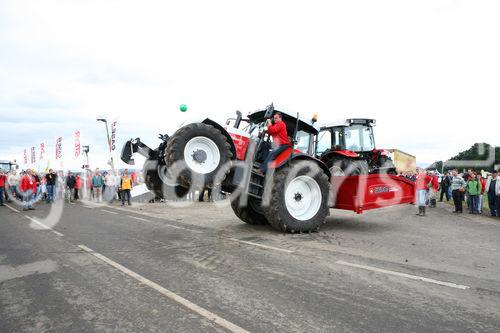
(301, 157)
(346, 153)
(209, 121)
(284, 157)
(338, 153)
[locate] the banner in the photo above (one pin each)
(25, 157)
(113, 135)
(42, 150)
(58, 148)
(77, 145)
(33, 155)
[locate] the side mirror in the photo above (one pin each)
(237, 122)
(269, 111)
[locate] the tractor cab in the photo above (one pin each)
(300, 132)
(7, 166)
(350, 145)
(351, 137)
(244, 130)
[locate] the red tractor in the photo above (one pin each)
(294, 195)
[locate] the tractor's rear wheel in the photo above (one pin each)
(195, 154)
(250, 213)
(347, 167)
(387, 165)
(298, 198)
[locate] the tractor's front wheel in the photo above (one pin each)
(155, 177)
(195, 153)
(298, 198)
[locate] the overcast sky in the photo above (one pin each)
(428, 71)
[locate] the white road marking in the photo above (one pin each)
(408, 276)
(163, 224)
(12, 208)
(262, 245)
(173, 296)
(43, 226)
(138, 218)
(109, 211)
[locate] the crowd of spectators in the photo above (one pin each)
(31, 187)
(469, 187)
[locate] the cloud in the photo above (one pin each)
(427, 71)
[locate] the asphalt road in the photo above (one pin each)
(198, 269)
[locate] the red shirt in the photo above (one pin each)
(483, 184)
(422, 180)
(279, 133)
(78, 182)
(28, 183)
(435, 183)
(2, 180)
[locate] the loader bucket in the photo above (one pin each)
(127, 152)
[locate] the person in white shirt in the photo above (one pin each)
(13, 181)
(110, 182)
(493, 192)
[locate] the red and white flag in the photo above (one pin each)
(112, 143)
(59, 148)
(33, 155)
(43, 150)
(77, 145)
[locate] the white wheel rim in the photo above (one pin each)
(201, 155)
(303, 198)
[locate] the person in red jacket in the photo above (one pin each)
(277, 130)
(3, 180)
(28, 189)
(78, 187)
(421, 183)
(433, 189)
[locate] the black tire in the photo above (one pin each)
(251, 213)
(347, 166)
(151, 173)
(174, 154)
(387, 165)
(277, 212)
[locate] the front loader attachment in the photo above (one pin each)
(135, 146)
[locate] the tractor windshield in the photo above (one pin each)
(354, 137)
(303, 139)
(359, 138)
(324, 141)
(5, 167)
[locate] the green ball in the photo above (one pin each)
(183, 108)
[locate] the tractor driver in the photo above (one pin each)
(277, 130)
